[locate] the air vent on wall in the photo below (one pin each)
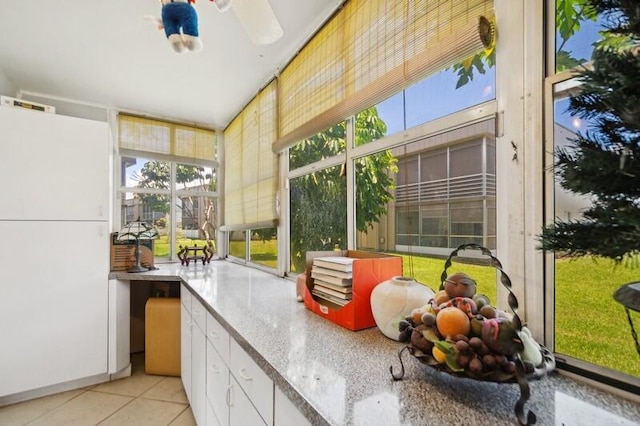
(18, 103)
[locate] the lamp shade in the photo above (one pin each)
(137, 230)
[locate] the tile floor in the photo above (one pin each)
(138, 400)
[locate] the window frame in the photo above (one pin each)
(173, 193)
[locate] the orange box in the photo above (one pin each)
(369, 270)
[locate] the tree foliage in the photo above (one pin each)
(319, 199)
(603, 163)
(157, 175)
(569, 18)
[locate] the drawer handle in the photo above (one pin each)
(214, 335)
(242, 372)
(214, 369)
(228, 396)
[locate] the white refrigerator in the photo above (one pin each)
(54, 251)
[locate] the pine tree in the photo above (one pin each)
(604, 162)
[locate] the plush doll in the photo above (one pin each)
(180, 23)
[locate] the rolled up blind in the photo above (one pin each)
(251, 168)
(369, 51)
(143, 136)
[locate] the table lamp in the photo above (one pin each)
(136, 231)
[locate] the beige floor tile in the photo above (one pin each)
(143, 412)
(89, 408)
(168, 389)
(184, 419)
(135, 385)
(20, 414)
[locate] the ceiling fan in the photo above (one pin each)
(257, 19)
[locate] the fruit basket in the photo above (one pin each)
(459, 332)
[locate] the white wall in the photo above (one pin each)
(6, 86)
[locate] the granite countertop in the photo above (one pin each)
(340, 377)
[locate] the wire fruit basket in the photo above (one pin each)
(460, 333)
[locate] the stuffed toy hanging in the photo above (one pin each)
(180, 23)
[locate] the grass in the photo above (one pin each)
(590, 324)
(161, 245)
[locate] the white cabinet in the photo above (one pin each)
(53, 167)
(253, 381)
(198, 361)
(53, 303)
(211, 416)
(219, 338)
(185, 343)
(217, 386)
(285, 413)
(193, 353)
(224, 384)
(241, 410)
(54, 255)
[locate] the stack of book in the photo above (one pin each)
(332, 279)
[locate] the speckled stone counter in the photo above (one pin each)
(340, 377)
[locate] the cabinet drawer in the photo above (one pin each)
(255, 382)
(199, 314)
(217, 385)
(242, 412)
(185, 297)
(219, 337)
(287, 414)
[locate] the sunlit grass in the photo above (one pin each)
(590, 324)
(161, 245)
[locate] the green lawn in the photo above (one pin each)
(590, 325)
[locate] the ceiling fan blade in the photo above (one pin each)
(222, 5)
(258, 20)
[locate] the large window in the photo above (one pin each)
(445, 191)
(318, 198)
(577, 32)
(576, 324)
(577, 285)
(432, 98)
(169, 178)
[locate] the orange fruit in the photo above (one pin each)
(452, 321)
(438, 355)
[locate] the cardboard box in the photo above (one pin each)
(369, 270)
(123, 253)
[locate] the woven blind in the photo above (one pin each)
(251, 168)
(369, 51)
(145, 135)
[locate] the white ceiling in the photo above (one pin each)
(105, 53)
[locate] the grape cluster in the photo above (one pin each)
(476, 357)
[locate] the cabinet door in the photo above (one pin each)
(53, 303)
(217, 384)
(241, 411)
(198, 314)
(285, 413)
(219, 337)
(185, 349)
(53, 167)
(253, 380)
(198, 374)
(185, 298)
(211, 417)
